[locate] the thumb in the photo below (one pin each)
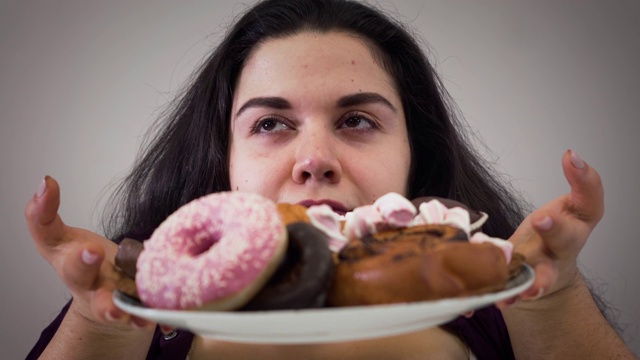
(587, 193)
(41, 213)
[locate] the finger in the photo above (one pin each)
(546, 275)
(587, 193)
(541, 255)
(81, 267)
(507, 303)
(563, 236)
(469, 314)
(140, 323)
(554, 234)
(41, 213)
(166, 329)
(104, 308)
(102, 304)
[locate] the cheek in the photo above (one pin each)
(397, 171)
(235, 178)
(256, 174)
(243, 177)
(381, 173)
(402, 166)
(241, 171)
(396, 175)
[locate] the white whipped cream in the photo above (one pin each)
(394, 211)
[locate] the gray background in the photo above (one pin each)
(80, 81)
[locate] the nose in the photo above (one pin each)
(316, 159)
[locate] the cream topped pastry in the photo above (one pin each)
(427, 249)
(394, 211)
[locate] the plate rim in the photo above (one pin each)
(184, 318)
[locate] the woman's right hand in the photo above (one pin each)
(82, 259)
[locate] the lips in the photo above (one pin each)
(336, 206)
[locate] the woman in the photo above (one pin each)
(326, 100)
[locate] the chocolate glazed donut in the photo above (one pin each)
(125, 266)
(303, 278)
(127, 256)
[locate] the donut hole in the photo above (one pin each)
(202, 245)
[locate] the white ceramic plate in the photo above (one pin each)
(323, 325)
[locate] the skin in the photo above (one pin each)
(558, 309)
(318, 157)
(94, 328)
(324, 147)
(326, 150)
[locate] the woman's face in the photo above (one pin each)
(316, 120)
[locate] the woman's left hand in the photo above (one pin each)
(551, 237)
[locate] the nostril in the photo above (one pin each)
(329, 174)
(316, 169)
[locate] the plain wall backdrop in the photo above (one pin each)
(80, 81)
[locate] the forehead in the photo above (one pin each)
(315, 62)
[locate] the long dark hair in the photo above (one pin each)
(188, 155)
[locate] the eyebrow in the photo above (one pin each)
(279, 103)
(365, 98)
(273, 102)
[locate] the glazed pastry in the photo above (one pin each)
(439, 253)
(303, 277)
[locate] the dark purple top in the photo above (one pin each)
(485, 333)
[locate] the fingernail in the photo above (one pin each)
(42, 188)
(166, 329)
(135, 325)
(138, 323)
(110, 317)
(576, 161)
(545, 223)
(538, 295)
(511, 302)
(88, 257)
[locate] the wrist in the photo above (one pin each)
(91, 325)
(565, 323)
(81, 337)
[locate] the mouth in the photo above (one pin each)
(336, 206)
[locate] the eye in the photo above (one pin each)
(358, 121)
(270, 125)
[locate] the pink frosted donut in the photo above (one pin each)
(214, 253)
